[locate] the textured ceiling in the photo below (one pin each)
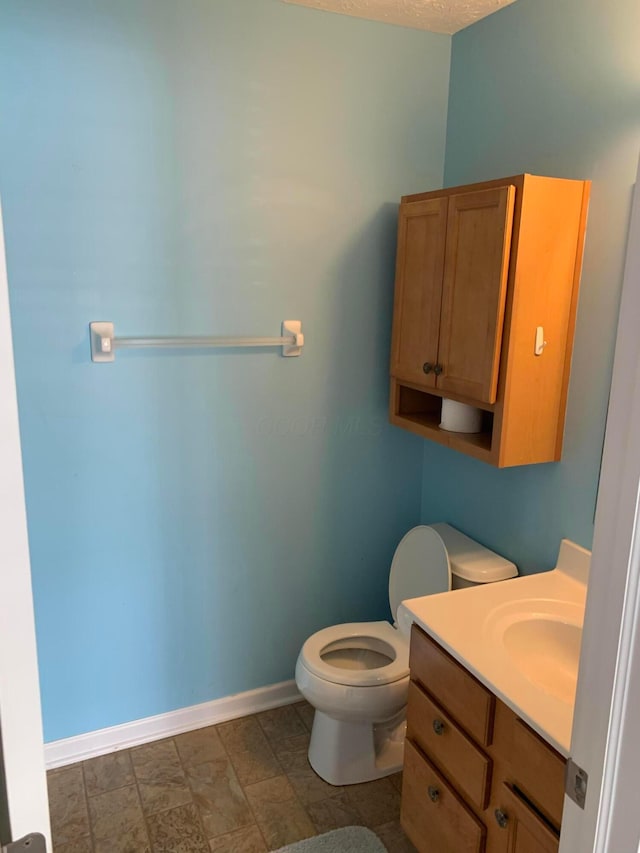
(439, 16)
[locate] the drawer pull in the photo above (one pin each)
(438, 727)
(427, 367)
(434, 794)
(502, 818)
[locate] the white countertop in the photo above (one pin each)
(467, 622)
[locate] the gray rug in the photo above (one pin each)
(350, 839)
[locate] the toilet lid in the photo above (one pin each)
(420, 567)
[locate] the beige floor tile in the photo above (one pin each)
(393, 837)
(177, 831)
(376, 802)
(67, 804)
(300, 743)
(117, 822)
(249, 750)
(292, 754)
(280, 815)
(161, 779)
(333, 813)
(200, 746)
(79, 845)
(108, 772)
(306, 713)
(247, 840)
(217, 793)
(281, 723)
(190, 788)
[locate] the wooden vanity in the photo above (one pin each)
(476, 778)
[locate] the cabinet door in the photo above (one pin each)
(475, 284)
(536, 768)
(521, 830)
(418, 294)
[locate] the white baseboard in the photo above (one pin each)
(72, 749)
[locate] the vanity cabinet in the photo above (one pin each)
(476, 778)
(484, 310)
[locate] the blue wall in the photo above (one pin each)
(191, 168)
(554, 89)
(201, 166)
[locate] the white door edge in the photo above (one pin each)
(20, 714)
(613, 603)
(615, 830)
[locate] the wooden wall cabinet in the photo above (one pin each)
(476, 778)
(479, 268)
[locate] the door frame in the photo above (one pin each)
(605, 740)
(24, 783)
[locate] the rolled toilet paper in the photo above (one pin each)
(458, 417)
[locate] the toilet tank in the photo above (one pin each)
(471, 563)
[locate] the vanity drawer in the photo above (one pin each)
(521, 830)
(433, 815)
(462, 695)
(448, 746)
(536, 768)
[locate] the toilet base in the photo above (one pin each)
(344, 753)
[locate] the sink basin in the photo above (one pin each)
(547, 653)
(542, 639)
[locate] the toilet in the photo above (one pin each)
(356, 675)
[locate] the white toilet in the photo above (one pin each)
(356, 675)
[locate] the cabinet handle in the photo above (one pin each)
(434, 794)
(438, 727)
(438, 369)
(427, 367)
(502, 818)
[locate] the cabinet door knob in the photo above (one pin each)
(502, 818)
(438, 369)
(434, 794)
(438, 727)
(427, 367)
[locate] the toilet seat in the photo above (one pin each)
(378, 637)
(420, 566)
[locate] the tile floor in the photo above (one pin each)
(244, 786)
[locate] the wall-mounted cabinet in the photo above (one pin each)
(481, 269)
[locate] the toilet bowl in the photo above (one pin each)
(356, 675)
